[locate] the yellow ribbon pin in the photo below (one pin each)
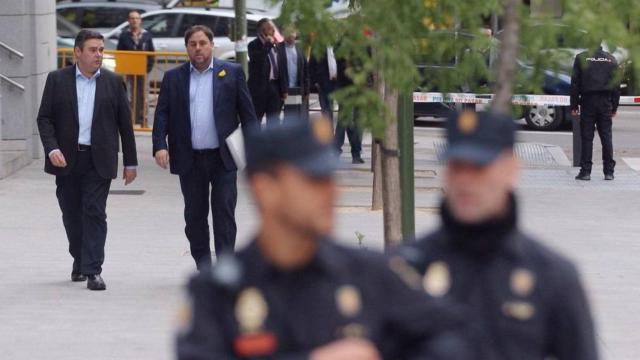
(222, 73)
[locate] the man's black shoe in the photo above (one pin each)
(77, 277)
(583, 176)
(608, 176)
(357, 160)
(95, 282)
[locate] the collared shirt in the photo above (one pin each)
(204, 134)
(86, 91)
(292, 64)
(333, 65)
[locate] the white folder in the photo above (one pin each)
(235, 142)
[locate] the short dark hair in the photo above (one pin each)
(194, 29)
(261, 22)
(85, 35)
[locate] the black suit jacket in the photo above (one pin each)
(172, 125)
(259, 69)
(59, 126)
(319, 72)
(303, 68)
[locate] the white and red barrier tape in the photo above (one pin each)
(525, 100)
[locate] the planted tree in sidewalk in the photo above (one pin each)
(445, 45)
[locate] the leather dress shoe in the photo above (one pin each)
(77, 277)
(583, 176)
(357, 160)
(608, 176)
(95, 282)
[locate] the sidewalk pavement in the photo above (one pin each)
(44, 315)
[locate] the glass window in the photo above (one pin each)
(189, 20)
(252, 28)
(161, 25)
(222, 27)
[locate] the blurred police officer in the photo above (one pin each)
(524, 301)
(293, 293)
(594, 97)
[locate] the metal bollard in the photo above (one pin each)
(577, 142)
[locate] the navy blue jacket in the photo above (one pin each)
(172, 124)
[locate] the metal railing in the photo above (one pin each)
(143, 78)
(11, 50)
(15, 84)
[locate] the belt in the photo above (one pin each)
(82, 147)
(205, 151)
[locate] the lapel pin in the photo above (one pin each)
(222, 73)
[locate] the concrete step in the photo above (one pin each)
(13, 145)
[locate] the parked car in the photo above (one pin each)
(66, 33)
(168, 27)
(102, 16)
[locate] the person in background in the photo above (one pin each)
(294, 70)
(267, 86)
(136, 38)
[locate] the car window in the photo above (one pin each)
(222, 27)
(252, 28)
(103, 17)
(160, 25)
(189, 20)
(71, 14)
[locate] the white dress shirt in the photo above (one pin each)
(86, 91)
(204, 134)
(333, 65)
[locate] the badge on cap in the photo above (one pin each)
(322, 130)
(348, 300)
(520, 310)
(523, 282)
(467, 122)
(437, 279)
(251, 310)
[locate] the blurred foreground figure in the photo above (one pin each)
(524, 301)
(293, 293)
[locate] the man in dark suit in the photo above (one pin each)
(294, 70)
(137, 38)
(266, 83)
(328, 74)
(82, 111)
(200, 104)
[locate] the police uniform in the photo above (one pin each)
(594, 88)
(523, 300)
(247, 308)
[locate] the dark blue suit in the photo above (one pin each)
(199, 169)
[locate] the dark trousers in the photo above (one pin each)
(82, 196)
(137, 97)
(596, 110)
(326, 101)
(208, 172)
(296, 112)
(269, 103)
(348, 125)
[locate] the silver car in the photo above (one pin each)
(167, 27)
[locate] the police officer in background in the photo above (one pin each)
(595, 96)
(524, 301)
(293, 293)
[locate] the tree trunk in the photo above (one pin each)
(392, 213)
(376, 154)
(507, 58)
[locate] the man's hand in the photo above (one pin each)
(129, 175)
(162, 158)
(57, 159)
(270, 39)
(613, 115)
(348, 349)
(284, 96)
(575, 112)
